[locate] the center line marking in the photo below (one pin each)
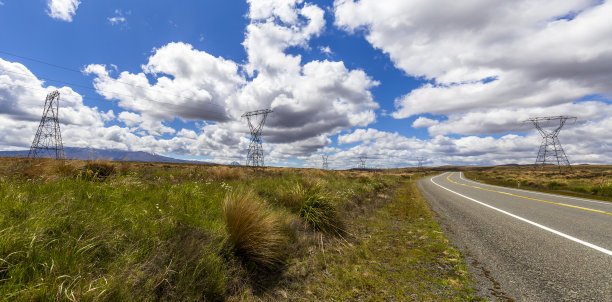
(540, 200)
(595, 247)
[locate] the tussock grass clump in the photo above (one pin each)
(224, 173)
(319, 212)
(254, 231)
(66, 169)
(98, 170)
(293, 197)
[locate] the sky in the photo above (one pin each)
(391, 80)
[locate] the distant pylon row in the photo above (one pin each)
(48, 139)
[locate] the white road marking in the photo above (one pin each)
(534, 192)
(595, 247)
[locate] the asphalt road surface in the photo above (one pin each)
(523, 245)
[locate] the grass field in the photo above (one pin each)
(583, 180)
(109, 231)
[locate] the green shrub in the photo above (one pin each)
(292, 197)
(97, 170)
(319, 212)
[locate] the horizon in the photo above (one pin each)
(390, 80)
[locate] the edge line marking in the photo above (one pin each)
(536, 192)
(531, 198)
(595, 247)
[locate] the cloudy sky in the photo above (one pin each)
(393, 80)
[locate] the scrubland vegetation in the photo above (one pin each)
(116, 231)
(582, 180)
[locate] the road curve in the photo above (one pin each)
(524, 245)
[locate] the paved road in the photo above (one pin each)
(523, 245)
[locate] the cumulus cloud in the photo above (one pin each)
(62, 9)
(484, 56)
(423, 122)
(189, 84)
(22, 98)
(388, 150)
(361, 135)
(311, 100)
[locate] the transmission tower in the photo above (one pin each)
(362, 162)
(420, 159)
(256, 120)
(325, 165)
(551, 151)
(48, 139)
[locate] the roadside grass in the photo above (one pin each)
(108, 231)
(582, 181)
(394, 251)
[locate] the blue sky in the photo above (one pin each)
(391, 80)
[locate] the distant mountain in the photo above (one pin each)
(108, 154)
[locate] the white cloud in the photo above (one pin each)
(1, 3)
(386, 149)
(484, 58)
(22, 97)
(116, 20)
(119, 18)
(62, 9)
(423, 122)
(311, 100)
(130, 119)
(360, 135)
(190, 84)
(326, 50)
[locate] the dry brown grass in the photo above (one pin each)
(224, 173)
(591, 180)
(293, 197)
(255, 232)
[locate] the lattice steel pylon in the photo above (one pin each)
(325, 166)
(551, 151)
(48, 138)
(362, 162)
(420, 165)
(255, 156)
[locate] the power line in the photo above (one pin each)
(40, 61)
(80, 72)
(111, 92)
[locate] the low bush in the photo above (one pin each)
(255, 232)
(224, 173)
(292, 197)
(97, 170)
(320, 213)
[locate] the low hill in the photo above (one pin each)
(107, 154)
